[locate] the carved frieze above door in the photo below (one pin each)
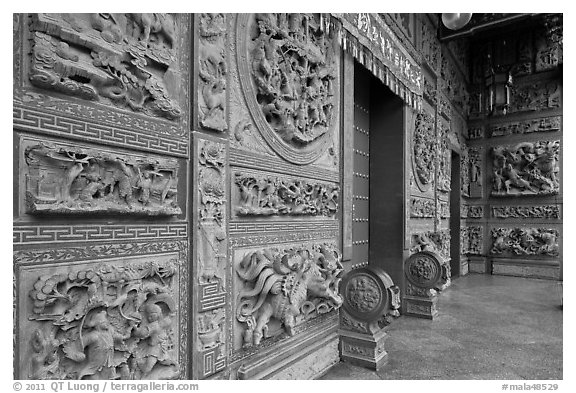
(288, 70)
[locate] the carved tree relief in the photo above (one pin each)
(290, 285)
(525, 241)
(263, 195)
(128, 60)
(424, 150)
(105, 322)
(289, 73)
(212, 72)
(529, 168)
(72, 180)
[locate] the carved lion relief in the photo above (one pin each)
(289, 73)
(109, 321)
(128, 60)
(525, 241)
(529, 168)
(288, 285)
(67, 179)
(264, 195)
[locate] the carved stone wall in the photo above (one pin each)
(518, 152)
(100, 236)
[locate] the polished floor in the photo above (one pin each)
(489, 327)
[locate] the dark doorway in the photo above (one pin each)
(378, 181)
(455, 215)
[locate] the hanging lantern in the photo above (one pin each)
(498, 86)
(455, 21)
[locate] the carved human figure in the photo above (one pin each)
(95, 350)
(154, 347)
(144, 184)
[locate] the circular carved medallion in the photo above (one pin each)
(288, 70)
(423, 269)
(366, 295)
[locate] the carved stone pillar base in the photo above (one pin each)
(370, 301)
(421, 307)
(364, 349)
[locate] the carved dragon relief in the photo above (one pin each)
(288, 70)
(528, 168)
(105, 322)
(73, 180)
(128, 60)
(263, 195)
(289, 285)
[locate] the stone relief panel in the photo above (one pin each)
(535, 96)
(452, 83)
(281, 287)
(471, 240)
(471, 211)
(211, 244)
(288, 70)
(525, 241)
(528, 168)
(429, 44)
(538, 211)
(438, 242)
(424, 148)
(474, 168)
(476, 132)
(444, 158)
(108, 320)
(549, 44)
(212, 71)
(422, 208)
(430, 91)
(69, 179)
(267, 195)
(545, 124)
(124, 60)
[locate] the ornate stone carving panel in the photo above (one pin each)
(528, 168)
(474, 167)
(525, 241)
(444, 158)
(549, 44)
(538, 211)
(211, 256)
(535, 96)
(429, 44)
(289, 73)
(430, 92)
(471, 240)
(279, 288)
(258, 194)
(70, 179)
(424, 147)
(422, 208)
(101, 320)
(525, 127)
(470, 211)
(212, 71)
(125, 60)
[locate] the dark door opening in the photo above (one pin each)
(378, 181)
(455, 215)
